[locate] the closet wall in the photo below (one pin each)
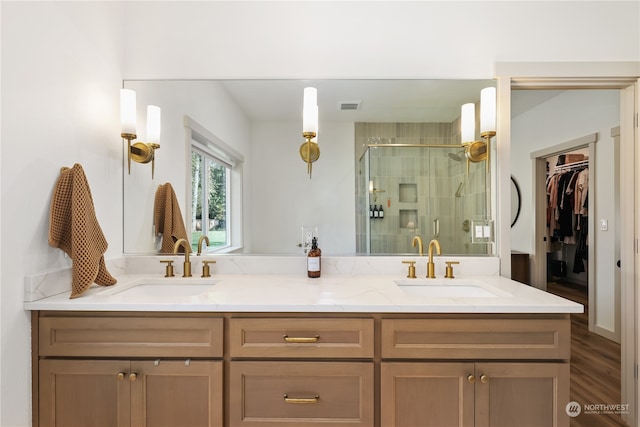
(567, 217)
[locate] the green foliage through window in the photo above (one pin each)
(209, 183)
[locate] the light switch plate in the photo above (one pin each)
(604, 225)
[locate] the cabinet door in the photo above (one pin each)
(522, 394)
(176, 393)
(427, 394)
(80, 393)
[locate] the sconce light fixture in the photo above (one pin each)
(309, 150)
(140, 152)
(477, 151)
(374, 191)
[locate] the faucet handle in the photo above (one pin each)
(412, 269)
(206, 270)
(169, 269)
(449, 269)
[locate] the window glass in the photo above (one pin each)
(210, 211)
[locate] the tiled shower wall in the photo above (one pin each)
(426, 172)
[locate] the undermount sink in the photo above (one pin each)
(448, 288)
(163, 288)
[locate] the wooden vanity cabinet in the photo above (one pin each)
(300, 369)
(151, 371)
(512, 372)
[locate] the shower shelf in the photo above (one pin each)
(408, 193)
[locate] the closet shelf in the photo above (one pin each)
(570, 166)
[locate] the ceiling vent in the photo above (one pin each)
(350, 106)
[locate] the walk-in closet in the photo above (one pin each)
(567, 186)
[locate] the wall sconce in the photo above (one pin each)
(477, 151)
(309, 150)
(374, 191)
(140, 152)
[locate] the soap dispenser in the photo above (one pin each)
(313, 259)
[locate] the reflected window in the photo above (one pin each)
(210, 210)
(214, 196)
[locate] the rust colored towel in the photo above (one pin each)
(74, 228)
(168, 219)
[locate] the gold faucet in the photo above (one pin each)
(187, 251)
(419, 240)
(202, 238)
(430, 265)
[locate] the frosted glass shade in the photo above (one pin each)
(488, 110)
(468, 122)
(310, 110)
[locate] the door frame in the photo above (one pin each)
(584, 75)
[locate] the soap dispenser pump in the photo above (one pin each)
(313, 259)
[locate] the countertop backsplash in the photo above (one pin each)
(43, 285)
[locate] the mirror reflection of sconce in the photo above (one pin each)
(309, 150)
(374, 191)
(140, 152)
(477, 151)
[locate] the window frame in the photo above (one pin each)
(200, 139)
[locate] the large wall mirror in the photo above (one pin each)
(391, 165)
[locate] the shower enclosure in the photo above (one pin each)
(424, 185)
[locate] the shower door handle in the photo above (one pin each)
(436, 227)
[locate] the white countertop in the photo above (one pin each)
(341, 293)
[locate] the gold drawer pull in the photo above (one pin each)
(301, 339)
(471, 378)
(484, 379)
(301, 400)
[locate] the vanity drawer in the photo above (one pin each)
(300, 338)
(506, 338)
(130, 336)
(301, 393)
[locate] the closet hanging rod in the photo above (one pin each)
(573, 165)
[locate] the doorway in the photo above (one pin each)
(600, 149)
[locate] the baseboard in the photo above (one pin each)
(608, 334)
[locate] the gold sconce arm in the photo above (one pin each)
(140, 152)
(309, 151)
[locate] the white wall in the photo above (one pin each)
(62, 66)
(60, 75)
(371, 39)
(567, 116)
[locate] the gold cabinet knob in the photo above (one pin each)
(120, 376)
(448, 271)
(412, 269)
(206, 270)
(471, 378)
(484, 379)
(133, 376)
(169, 268)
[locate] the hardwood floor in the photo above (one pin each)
(595, 364)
